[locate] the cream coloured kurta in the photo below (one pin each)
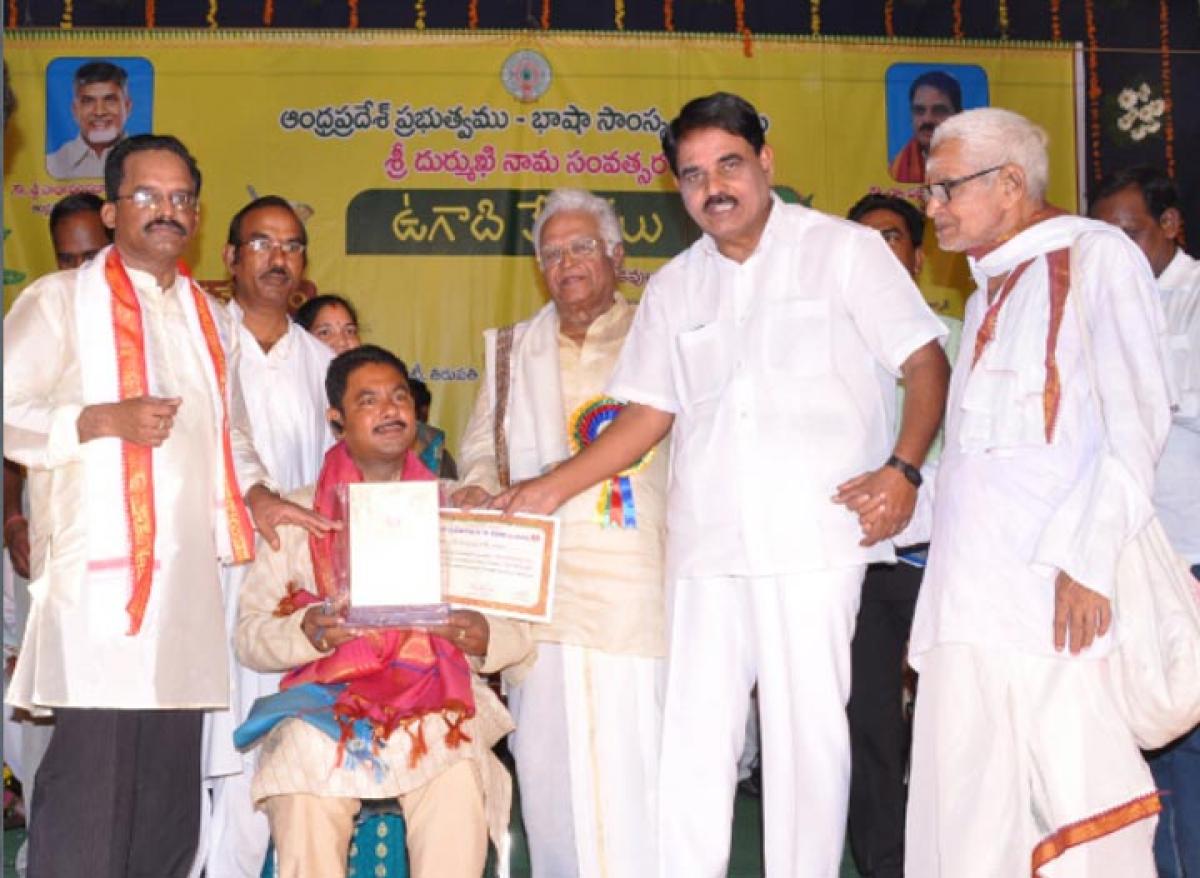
(76, 651)
(1011, 510)
(295, 757)
(609, 588)
(781, 373)
(1177, 480)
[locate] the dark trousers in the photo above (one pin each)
(880, 733)
(118, 795)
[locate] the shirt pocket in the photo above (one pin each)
(702, 361)
(798, 337)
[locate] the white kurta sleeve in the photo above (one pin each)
(264, 641)
(643, 372)
(888, 309)
(477, 452)
(246, 462)
(41, 410)
(1111, 503)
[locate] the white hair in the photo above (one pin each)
(991, 136)
(579, 200)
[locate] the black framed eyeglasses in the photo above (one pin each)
(943, 190)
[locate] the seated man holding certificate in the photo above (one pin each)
(369, 713)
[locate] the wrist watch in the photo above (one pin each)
(909, 471)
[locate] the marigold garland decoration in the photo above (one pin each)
(956, 8)
(668, 16)
(1056, 20)
(268, 12)
(1002, 18)
(619, 14)
(473, 14)
(149, 14)
(545, 14)
(889, 18)
(1093, 90)
(1164, 30)
(68, 15)
(353, 6)
(739, 23)
(419, 16)
(814, 17)
(211, 18)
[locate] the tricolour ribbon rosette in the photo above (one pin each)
(615, 508)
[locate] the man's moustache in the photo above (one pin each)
(928, 127)
(398, 422)
(719, 198)
(166, 223)
(276, 272)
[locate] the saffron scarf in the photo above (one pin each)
(389, 678)
(1059, 269)
(137, 460)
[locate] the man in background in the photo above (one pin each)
(76, 229)
(880, 731)
(1144, 203)
(282, 373)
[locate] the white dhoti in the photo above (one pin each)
(1021, 765)
(586, 746)
(791, 634)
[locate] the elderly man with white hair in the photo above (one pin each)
(587, 704)
(1020, 759)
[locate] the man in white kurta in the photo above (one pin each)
(282, 373)
(127, 668)
(771, 345)
(588, 709)
(1144, 203)
(1019, 756)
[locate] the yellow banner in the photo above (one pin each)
(420, 160)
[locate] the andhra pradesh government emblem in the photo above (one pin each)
(526, 75)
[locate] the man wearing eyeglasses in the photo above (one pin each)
(587, 701)
(770, 350)
(121, 387)
(282, 372)
(1020, 757)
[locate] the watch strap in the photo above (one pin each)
(909, 471)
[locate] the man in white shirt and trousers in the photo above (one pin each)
(772, 347)
(1020, 758)
(1144, 203)
(282, 373)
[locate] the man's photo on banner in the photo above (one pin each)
(91, 105)
(919, 98)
